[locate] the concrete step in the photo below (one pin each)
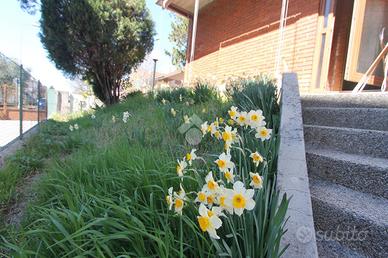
(358, 172)
(362, 118)
(354, 219)
(350, 140)
(365, 99)
(333, 249)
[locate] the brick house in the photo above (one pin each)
(330, 44)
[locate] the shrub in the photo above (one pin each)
(203, 93)
(175, 95)
(134, 93)
(258, 92)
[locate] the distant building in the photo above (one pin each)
(171, 80)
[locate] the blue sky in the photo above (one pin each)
(19, 40)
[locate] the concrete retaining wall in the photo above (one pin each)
(292, 174)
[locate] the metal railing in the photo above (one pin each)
(23, 100)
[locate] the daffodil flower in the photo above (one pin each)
(164, 101)
(201, 197)
(229, 176)
(211, 184)
(217, 135)
(191, 156)
(169, 198)
(228, 135)
(186, 119)
(256, 118)
(180, 167)
(263, 133)
(71, 128)
(208, 221)
(242, 118)
(213, 128)
(223, 193)
(256, 158)
(233, 113)
(173, 112)
(179, 202)
(126, 115)
(257, 180)
(76, 127)
(204, 128)
(240, 199)
(223, 162)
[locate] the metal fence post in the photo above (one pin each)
(38, 102)
(21, 103)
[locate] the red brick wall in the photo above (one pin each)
(28, 115)
(241, 36)
(343, 20)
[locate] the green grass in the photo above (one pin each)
(104, 186)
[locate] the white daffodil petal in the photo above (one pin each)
(250, 204)
(216, 222)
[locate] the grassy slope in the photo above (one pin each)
(106, 198)
(96, 186)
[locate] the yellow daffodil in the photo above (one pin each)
(256, 158)
(169, 198)
(186, 119)
(173, 112)
(180, 167)
(201, 197)
(240, 199)
(223, 162)
(208, 221)
(256, 118)
(204, 128)
(229, 176)
(217, 134)
(228, 135)
(257, 180)
(233, 113)
(263, 133)
(179, 200)
(242, 118)
(211, 185)
(210, 199)
(191, 156)
(213, 128)
(221, 120)
(221, 199)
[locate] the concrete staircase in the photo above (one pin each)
(346, 139)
